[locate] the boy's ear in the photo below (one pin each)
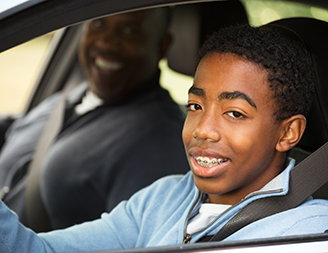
(293, 129)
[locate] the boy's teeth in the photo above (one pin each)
(207, 162)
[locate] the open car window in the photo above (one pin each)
(20, 68)
(24, 68)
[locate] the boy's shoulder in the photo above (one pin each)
(308, 218)
(172, 183)
(311, 217)
(170, 188)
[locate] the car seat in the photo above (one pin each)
(314, 34)
(192, 23)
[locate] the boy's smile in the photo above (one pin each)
(230, 134)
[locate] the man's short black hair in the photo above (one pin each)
(287, 62)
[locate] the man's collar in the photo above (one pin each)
(141, 90)
(152, 84)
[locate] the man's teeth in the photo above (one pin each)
(107, 65)
(207, 162)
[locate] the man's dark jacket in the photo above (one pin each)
(99, 158)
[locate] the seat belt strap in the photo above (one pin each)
(305, 178)
(36, 215)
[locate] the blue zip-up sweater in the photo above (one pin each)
(157, 215)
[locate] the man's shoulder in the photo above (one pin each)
(40, 113)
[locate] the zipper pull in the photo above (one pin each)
(186, 239)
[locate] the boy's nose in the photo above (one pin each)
(207, 129)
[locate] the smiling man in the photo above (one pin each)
(121, 52)
(121, 130)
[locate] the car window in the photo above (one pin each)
(20, 67)
(263, 12)
(177, 84)
(19, 70)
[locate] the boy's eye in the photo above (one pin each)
(193, 107)
(235, 114)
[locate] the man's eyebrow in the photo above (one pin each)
(237, 95)
(196, 91)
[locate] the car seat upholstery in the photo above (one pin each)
(192, 23)
(314, 34)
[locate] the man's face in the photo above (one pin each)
(230, 125)
(120, 52)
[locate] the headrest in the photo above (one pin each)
(192, 23)
(314, 34)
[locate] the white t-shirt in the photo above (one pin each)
(207, 213)
(89, 102)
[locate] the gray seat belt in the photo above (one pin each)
(306, 178)
(36, 215)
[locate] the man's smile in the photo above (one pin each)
(107, 65)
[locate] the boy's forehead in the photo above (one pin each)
(228, 69)
(228, 76)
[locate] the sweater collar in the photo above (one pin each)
(280, 182)
(277, 186)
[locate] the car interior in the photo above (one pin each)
(191, 24)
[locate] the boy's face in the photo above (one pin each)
(230, 129)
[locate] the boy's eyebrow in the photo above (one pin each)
(196, 91)
(237, 95)
(224, 95)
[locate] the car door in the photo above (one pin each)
(49, 16)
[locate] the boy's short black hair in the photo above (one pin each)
(287, 62)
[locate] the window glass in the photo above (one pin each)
(19, 69)
(263, 12)
(20, 66)
(177, 84)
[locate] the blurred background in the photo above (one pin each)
(20, 66)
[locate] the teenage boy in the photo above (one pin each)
(246, 110)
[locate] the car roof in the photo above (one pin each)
(29, 19)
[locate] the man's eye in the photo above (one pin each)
(193, 107)
(235, 114)
(98, 23)
(130, 30)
